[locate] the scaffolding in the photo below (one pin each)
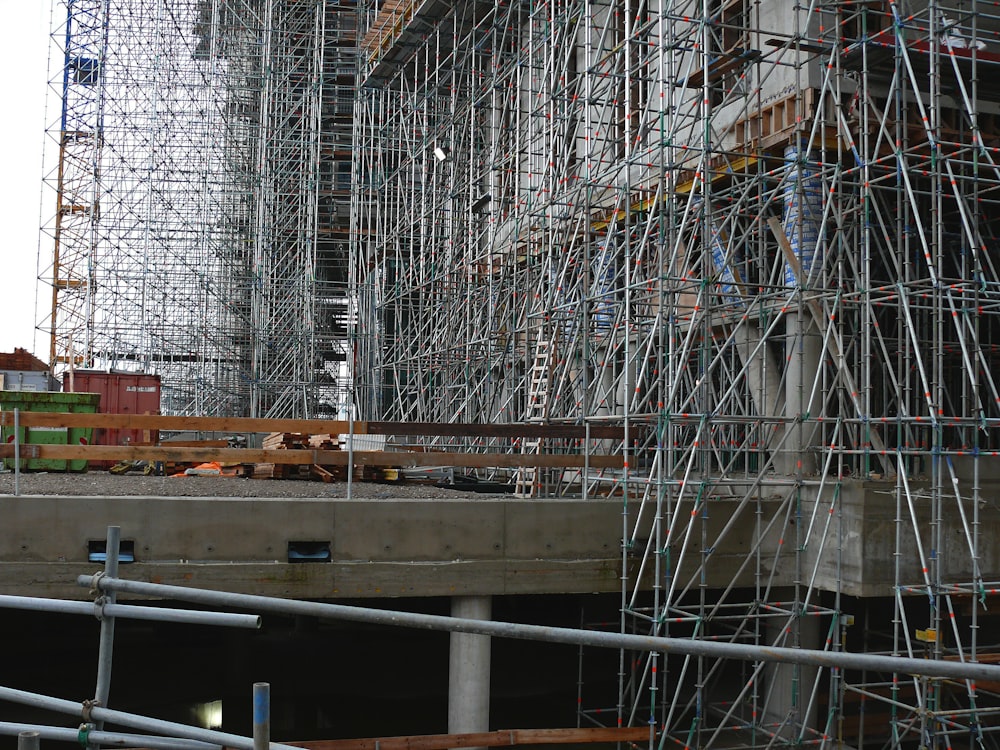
(196, 232)
(758, 235)
(761, 236)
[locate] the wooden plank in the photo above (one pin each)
(324, 441)
(159, 422)
(720, 167)
(180, 455)
(269, 471)
(478, 460)
(319, 471)
(307, 426)
(306, 457)
(502, 738)
(509, 430)
(720, 65)
(285, 440)
(195, 443)
(385, 21)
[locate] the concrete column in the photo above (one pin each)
(469, 670)
(765, 387)
(789, 686)
(804, 348)
(607, 401)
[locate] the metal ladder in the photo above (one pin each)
(527, 482)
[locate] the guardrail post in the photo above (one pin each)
(261, 715)
(17, 452)
(107, 641)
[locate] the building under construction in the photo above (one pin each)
(202, 194)
(760, 236)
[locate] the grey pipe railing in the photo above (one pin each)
(106, 643)
(92, 713)
(130, 612)
(740, 651)
(106, 739)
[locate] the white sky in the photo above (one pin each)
(25, 35)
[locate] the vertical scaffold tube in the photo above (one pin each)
(261, 715)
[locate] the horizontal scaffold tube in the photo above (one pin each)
(129, 612)
(745, 652)
(105, 739)
(133, 721)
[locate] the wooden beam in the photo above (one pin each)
(193, 424)
(501, 430)
(502, 738)
(483, 460)
(308, 457)
(720, 167)
(308, 426)
(720, 65)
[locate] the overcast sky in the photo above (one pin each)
(25, 34)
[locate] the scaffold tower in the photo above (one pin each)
(761, 236)
(197, 231)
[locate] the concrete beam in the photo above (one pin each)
(377, 548)
(483, 546)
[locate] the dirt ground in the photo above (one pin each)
(101, 483)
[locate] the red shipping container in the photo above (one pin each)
(121, 393)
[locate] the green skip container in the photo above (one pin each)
(66, 403)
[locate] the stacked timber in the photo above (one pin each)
(303, 441)
(326, 442)
(331, 442)
(283, 441)
(270, 471)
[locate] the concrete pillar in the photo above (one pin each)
(804, 348)
(604, 388)
(765, 387)
(469, 670)
(789, 686)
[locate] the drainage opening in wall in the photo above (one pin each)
(97, 550)
(307, 552)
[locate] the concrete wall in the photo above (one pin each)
(490, 546)
(849, 535)
(378, 547)
(869, 519)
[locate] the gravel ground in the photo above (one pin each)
(101, 483)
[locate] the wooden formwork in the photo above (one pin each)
(775, 124)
